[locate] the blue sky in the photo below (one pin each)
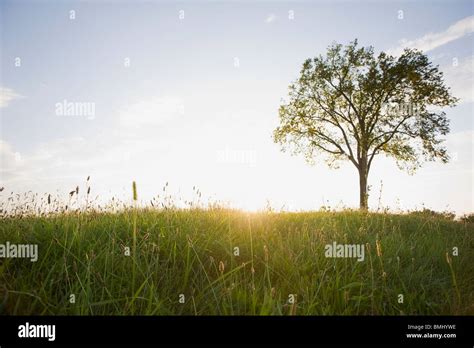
(198, 101)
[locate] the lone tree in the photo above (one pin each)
(353, 105)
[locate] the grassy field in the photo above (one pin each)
(193, 252)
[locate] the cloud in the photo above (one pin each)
(151, 112)
(7, 95)
(270, 18)
(8, 158)
(460, 78)
(460, 146)
(431, 41)
(12, 164)
(61, 164)
(121, 148)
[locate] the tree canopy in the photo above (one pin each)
(352, 104)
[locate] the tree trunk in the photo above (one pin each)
(363, 194)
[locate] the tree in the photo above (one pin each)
(353, 105)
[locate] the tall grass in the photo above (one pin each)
(190, 252)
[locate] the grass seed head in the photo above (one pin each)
(448, 258)
(221, 267)
(134, 189)
(379, 248)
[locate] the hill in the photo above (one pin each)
(228, 262)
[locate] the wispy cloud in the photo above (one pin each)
(431, 41)
(7, 95)
(270, 18)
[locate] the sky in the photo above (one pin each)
(188, 93)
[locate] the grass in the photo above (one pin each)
(192, 252)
